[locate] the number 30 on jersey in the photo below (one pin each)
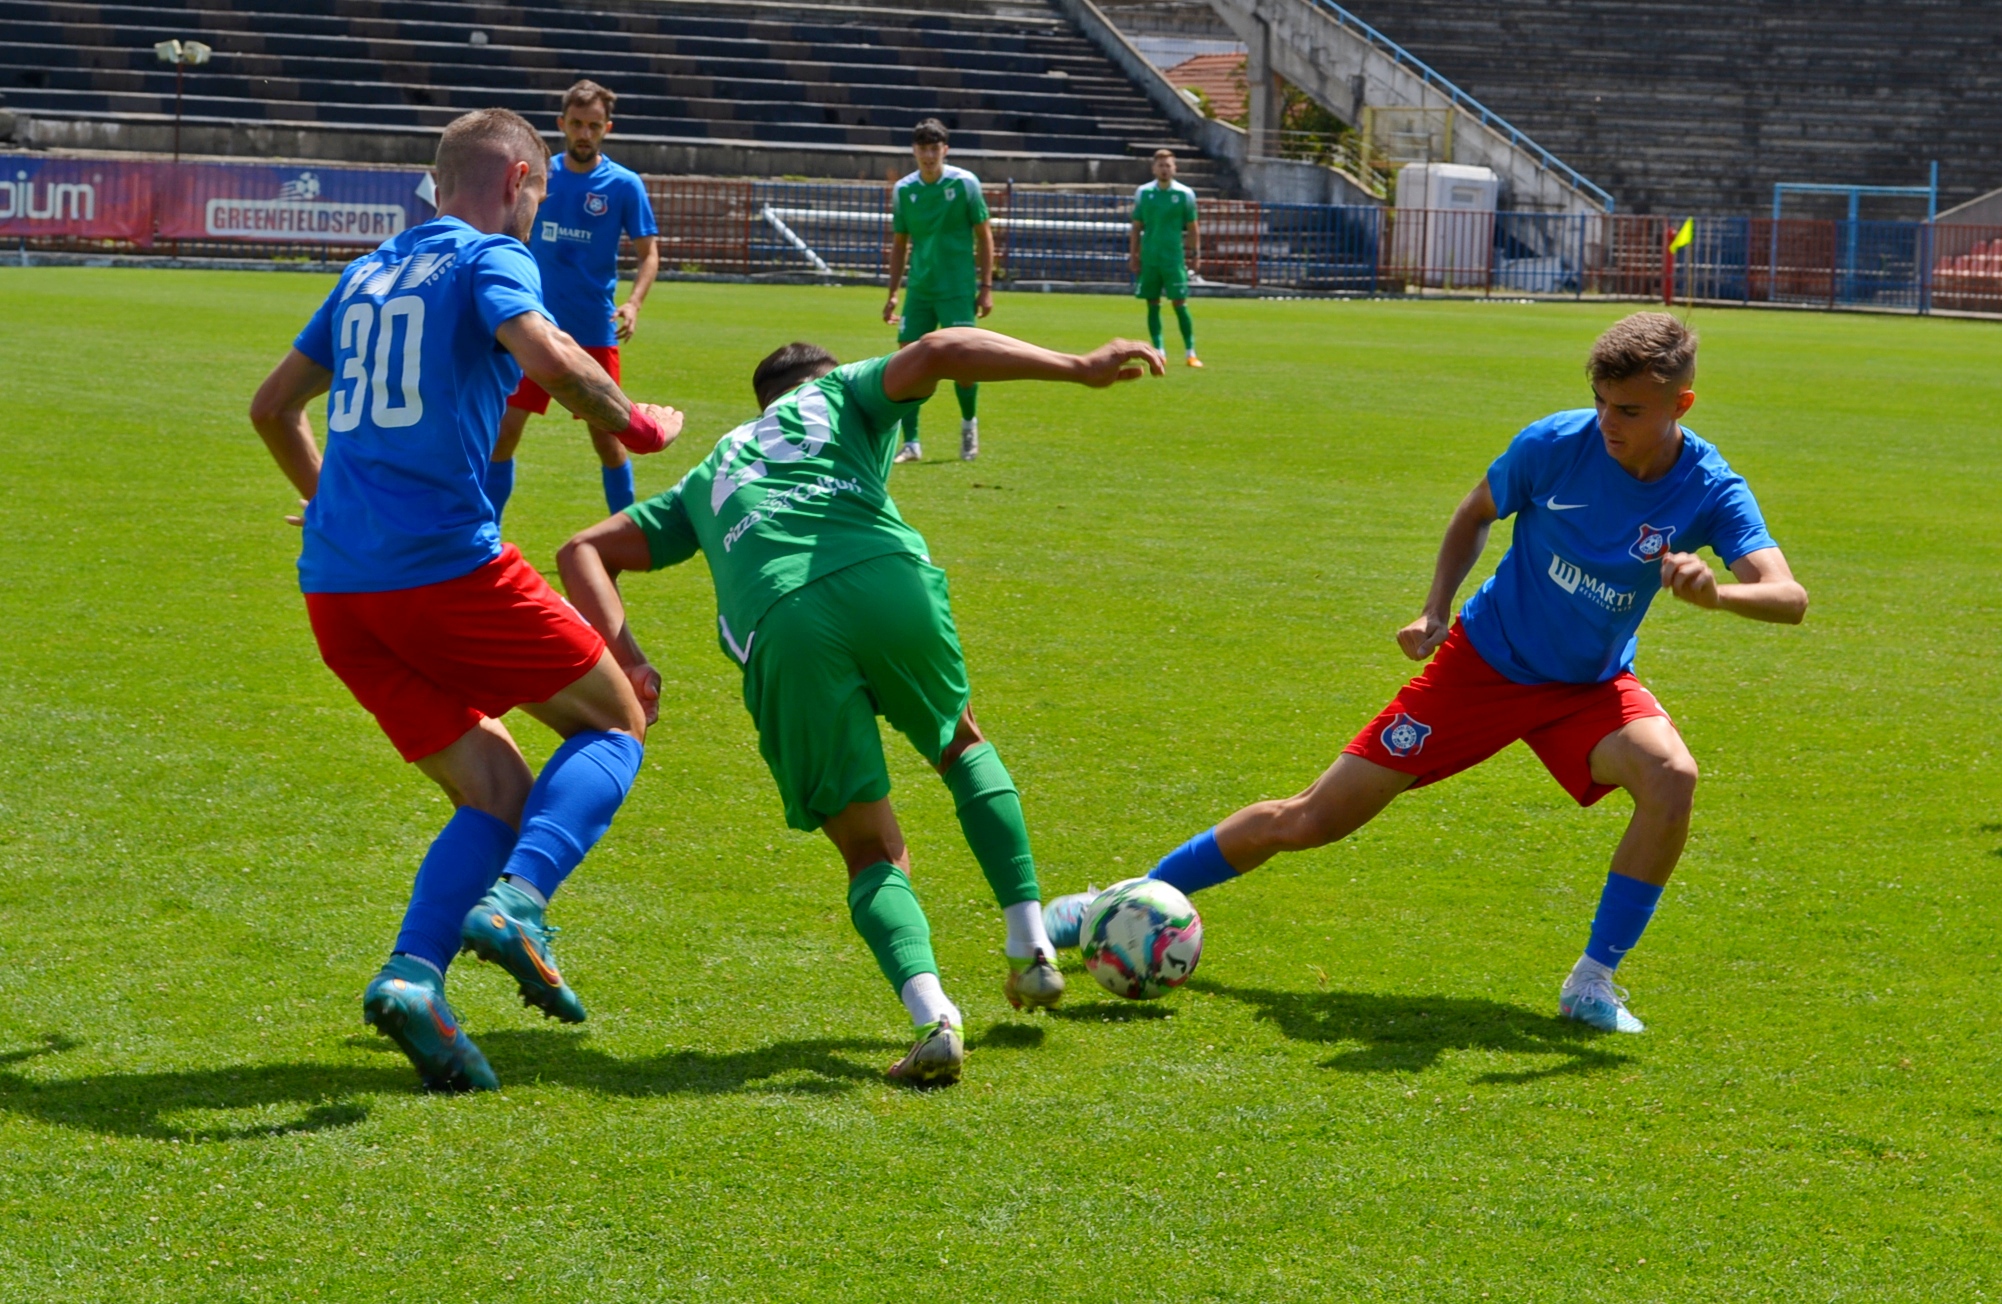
(388, 382)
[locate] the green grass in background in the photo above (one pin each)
(1175, 598)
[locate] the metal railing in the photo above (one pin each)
(1460, 99)
(840, 231)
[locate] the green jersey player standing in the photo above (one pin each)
(1165, 241)
(830, 605)
(939, 230)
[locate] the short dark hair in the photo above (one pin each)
(1164, 153)
(929, 132)
(482, 139)
(1651, 344)
(786, 369)
(589, 92)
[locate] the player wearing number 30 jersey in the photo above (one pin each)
(435, 626)
(1610, 506)
(830, 605)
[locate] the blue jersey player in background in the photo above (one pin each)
(592, 204)
(434, 625)
(1610, 505)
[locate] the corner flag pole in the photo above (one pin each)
(1680, 239)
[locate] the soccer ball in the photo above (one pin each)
(1141, 938)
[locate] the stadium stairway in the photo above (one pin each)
(732, 87)
(1701, 105)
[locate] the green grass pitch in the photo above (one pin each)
(1175, 598)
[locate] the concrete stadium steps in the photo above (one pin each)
(1010, 79)
(1701, 105)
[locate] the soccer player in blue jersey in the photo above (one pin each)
(1610, 504)
(435, 626)
(592, 202)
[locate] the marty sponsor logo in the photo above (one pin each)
(556, 232)
(1653, 542)
(1571, 577)
(1404, 736)
(596, 204)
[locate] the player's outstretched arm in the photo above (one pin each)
(1466, 538)
(279, 414)
(590, 565)
(971, 356)
(1766, 589)
(573, 378)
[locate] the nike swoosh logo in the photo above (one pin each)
(549, 975)
(1556, 506)
(445, 1030)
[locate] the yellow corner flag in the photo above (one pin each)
(1685, 237)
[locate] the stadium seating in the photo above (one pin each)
(1008, 77)
(1701, 105)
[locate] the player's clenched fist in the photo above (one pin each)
(1112, 361)
(650, 428)
(1690, 578)
(1422, 637)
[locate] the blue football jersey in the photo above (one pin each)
(419, 386)
(576, 244)
(1569, 595)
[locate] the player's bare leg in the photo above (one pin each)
(562, 815)
(1648, 759)
(990, 815)
(886, 913)
(1349, 794)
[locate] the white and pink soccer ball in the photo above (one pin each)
(1141, 938)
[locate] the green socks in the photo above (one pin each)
(990, 814)
(886, 912)
(1154, 320)
(1183, 320)
(969, 400)
(911, 426)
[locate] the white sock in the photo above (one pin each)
(1585, 971)
(1026, 934)
(926, 1001)
(527, 889)
(970, 424)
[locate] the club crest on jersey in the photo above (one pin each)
(952, 192)
(1653, 542)
(596, 204)
(1404, 736)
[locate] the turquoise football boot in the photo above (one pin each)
(1063, 918)
(406, 1003)
(1598, 1003)
(506, 929)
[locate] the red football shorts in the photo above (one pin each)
(429, 662)
(1461, 710)
(531, 397)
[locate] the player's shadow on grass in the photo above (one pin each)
(1408, 1034)
(256, 1101)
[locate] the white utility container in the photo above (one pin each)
(1445, 226)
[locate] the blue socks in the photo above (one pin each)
(619, 491)
(463, 862)
(571, 806)
(1625, 906)
(500, 485)
(1195, 865)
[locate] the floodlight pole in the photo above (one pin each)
(179, 69)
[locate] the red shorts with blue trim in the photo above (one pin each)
(430, 662)
(1461, 710)
(531, 397)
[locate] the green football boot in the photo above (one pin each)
(506, 928)
(406, 1003)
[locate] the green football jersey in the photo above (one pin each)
(939, 218)
(1163, 212)
(800, 492)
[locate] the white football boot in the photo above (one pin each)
(936, 1058)
(969, 439)
(910, 452)
(1597, 1002)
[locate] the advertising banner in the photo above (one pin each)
(295, 204)
(110, 199)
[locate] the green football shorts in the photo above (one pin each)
(871, 639)
(1162, 282)
(923, 316)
